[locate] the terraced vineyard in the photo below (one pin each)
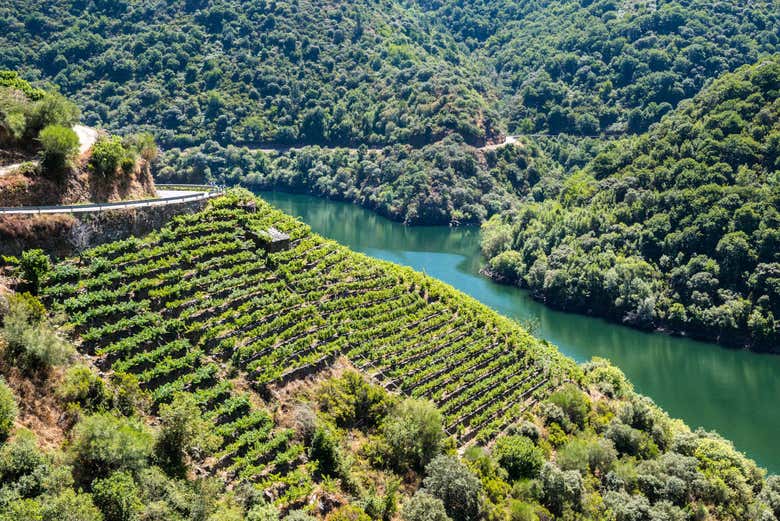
(203, 306)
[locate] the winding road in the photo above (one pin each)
(165, 197)
(281, 149)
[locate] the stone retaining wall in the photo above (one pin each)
(63, 235)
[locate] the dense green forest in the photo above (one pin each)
(209, 74)
(442, 183)
(678, 229)
(214, 379)
(260, 72)
(588, 67)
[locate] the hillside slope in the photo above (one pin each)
(587, 67)
(47, 159)
(260, 337)
(677, 229)
(315, 71)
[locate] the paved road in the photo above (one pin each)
(166, 197)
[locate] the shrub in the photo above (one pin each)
(518, 456)
(53, 109)
(561, 490)
(573, 402)
(348, 513)
(108, 154)
(103, 443)
(299, 515)
(520, 511)
(117, 497)
(69, 506)
(82, 386)
(127, 396)
(424, 507)
(263, 512)
(413, 435)
(22, 462)
(453, 483)
(31, 343)
(8, 410)
(58, 145)
(34, 265)
(354, 402)
(184, 432)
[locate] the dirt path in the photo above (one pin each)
(87, 137)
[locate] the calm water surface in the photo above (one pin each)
(733, 392)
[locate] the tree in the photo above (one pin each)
(560, 489)
(184, 432)
(424, 507)
(454, 484)
(518, 456)
(53, 109)
(59, 145)
(412, 435)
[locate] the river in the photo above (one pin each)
(735, 393)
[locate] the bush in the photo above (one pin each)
(34, 265)
(31, 343)
(108, 154)
(424, 507)
(53, 109)
(70, 506)
(117, 497)
(561, 490)
(354, 402)
(184, 432)
(299, 515)
(59, 145)
(22, 463)
(518, 456)
(263, 512)
(103, 443)
(348, 513)
(453, 483)
(573, 402)
(8, 410)
(85, 388)
(412, 435)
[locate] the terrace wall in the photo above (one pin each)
(66, 234)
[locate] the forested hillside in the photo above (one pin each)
(239, 72)
(678, 229)
(206, 75)
(222, 374)
(588, 67)
(442, 183)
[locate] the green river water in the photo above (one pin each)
(736, 393)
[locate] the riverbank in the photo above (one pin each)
(730, 342)
(730, 391)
